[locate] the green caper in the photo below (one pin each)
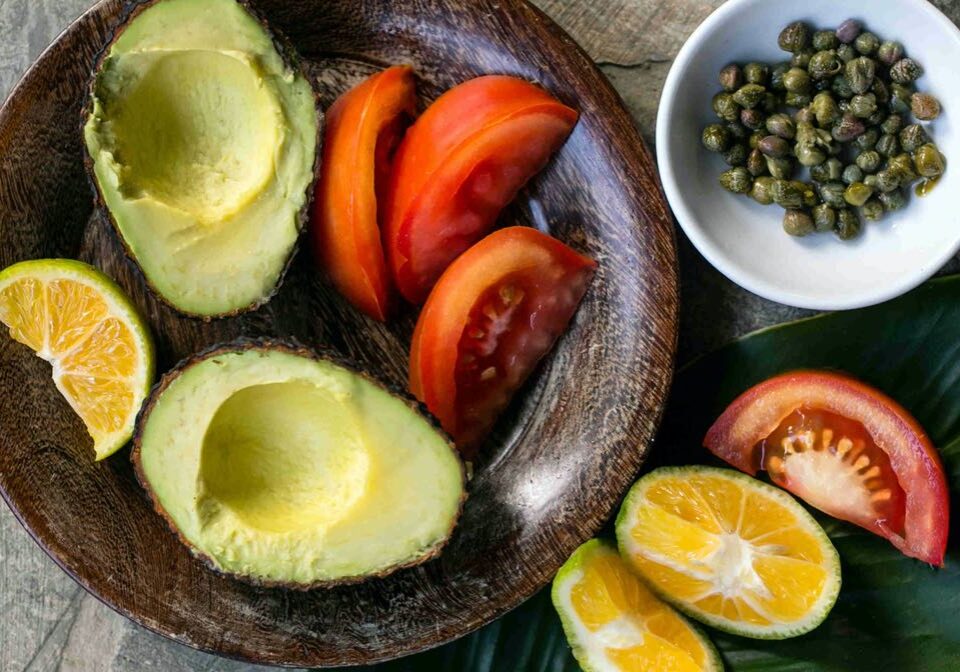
(824, 64)
(912, 137)
(872, 182)
(901, 166)
(857, 193)
(877, 117)
(736, 155)
(756, 73)
(825, 109)
(726, 107)
(830, 170)
(736, 180)
(867, 43)
(756, 165)
(893, 200)
(863, 105)
(860, 73)
(928, 161)
(900, 95)
(808, 192)
(716, 138)
(776, 76)
(754, 140)
(804, 115)
(869, 161)
(801, 59)
(888, 145)
(847, 128)
(749, 95)
(868, 140)
(810, 155)
(880, 89)
(782, 126)
(924, 106)
(796, 80)
(753, 119)
(831, 193)
(731, 77)
(892, 125)
(824, 217)
(793, 99)
(825, 39)
(762, 189)
(795, 37)
(905, 71)
(846, 53)
(780, 168)
(872, 210)
(890, 52)
(851, 174)
(848, 224)
(841, 87)
(775, 146)
(849, 30)
(798, 223)
(886, 181)
(787, 194)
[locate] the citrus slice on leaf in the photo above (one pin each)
(80, 321)
(613, 622)
(730, 551)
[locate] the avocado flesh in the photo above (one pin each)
(203, 143)
(293, 470)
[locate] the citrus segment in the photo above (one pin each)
(76, 318)
(730, 551)
(613, 621)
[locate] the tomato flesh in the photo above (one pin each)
(493, 315)
(845, 448)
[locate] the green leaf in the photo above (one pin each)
(894, 614)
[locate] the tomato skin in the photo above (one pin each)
(459, 165)
(756, 413)
(362, 128)
(536, 282)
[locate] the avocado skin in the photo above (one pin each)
(291, 347)
(132, 9)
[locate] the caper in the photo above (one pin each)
(825, 39)
(886, 181)
(756, 165)
(880, 89)
(752, 119)
(848, 128)
(912, 137)
(901, 166)
(736, 180)
(831, 193)
(860, 73)
(848, 224)
(775, 146)
(801, 59)
(780, 168)
(929, 161)
(798, 223)
(824, 217)
(848, 31)
(877, 117)
(731, 77)
(736, 155)
(796, 80)
(762, 189)
(809, 155)
(754, 140)
(846, 53)
(824, 64)
(808, 193)
(749, 95)
(776, 76)
(872, 210)
(857, 194)
(893, 200)
(869, 161)
(726, 107)
(841, 87)
(892, 125)
(804, 115)
(888, 145)
(851, 174)
(787, 194)
(756, 73)
(782, 126)
(863, 105)
(795, 37)
(890, 52)
(867, 43)
(830, 170)
(867, 140)
(716, 138)
(900, 95)
(794, 99)
(924, 106)
(905, 71)
(872, 182)
(825, 109)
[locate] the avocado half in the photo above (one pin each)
(201, 138)
(283, 467)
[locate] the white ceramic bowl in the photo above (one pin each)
(743, 239)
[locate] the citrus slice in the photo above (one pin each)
(76, 318)
(613, 622)
(730, 551)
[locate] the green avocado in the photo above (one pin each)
(284, 468)
(202, 141)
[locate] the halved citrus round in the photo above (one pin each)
(730, 551)
(80, 321)
(614, 622)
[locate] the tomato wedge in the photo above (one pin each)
(363, 130)
(459, 165)
(845, 448)
(496, 311)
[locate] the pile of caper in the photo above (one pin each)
(853, 95)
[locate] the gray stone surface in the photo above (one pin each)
(49, 623)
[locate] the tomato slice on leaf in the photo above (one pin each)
(846, 449)
(495, 312)
(363, 130)
(459, 165)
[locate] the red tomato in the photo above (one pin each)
(363, 129)
(846, 449)
(494, 313)
(459, 165)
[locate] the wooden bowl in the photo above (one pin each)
(558, 461)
